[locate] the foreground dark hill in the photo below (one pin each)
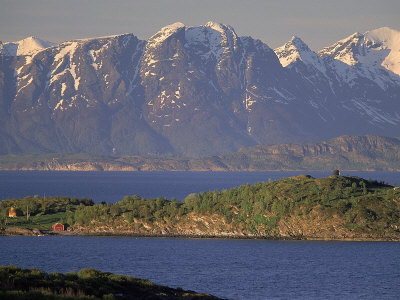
(302, 207)
(194, 91)
(362, 153)
(20, 284)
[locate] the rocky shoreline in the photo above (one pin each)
(242, 236)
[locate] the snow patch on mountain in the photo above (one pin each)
(64, 63)
(67, 48)
(212, 39)
(24, 86)
(93, 54)
(374, 114)
(204, 42)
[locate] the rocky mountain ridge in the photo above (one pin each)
(194, 91)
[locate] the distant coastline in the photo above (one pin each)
(358, 153)
(350, 153)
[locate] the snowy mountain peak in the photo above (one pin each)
(165, 33)
(384, 35)
(297, 50)
(113, 36)
(227, 33)
(345, 50)
(222, 28)
(212, 39)
(27, 46)
(371, 51)
(299, 44)
(387, 42)
(172, 27)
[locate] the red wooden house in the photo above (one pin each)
(12, 213)
(58, 227)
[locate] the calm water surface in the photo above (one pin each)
(236, 269)
(113, 186)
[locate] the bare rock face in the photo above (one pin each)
(194, 91)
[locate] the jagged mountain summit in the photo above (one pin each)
(378, 48)
(194, 91)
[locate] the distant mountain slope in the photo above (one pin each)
(345, 153)
(194, 91)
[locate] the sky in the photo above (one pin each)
(319, 23)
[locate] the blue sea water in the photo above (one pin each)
(234, 269)
(113, 186)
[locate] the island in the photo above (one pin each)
(88, 283)
(301, 207)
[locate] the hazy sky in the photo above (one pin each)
(318, 22)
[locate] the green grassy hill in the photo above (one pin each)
(301, 207)
(21, 284)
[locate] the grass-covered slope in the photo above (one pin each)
(43, 212)
(21, 284)
(335, 207)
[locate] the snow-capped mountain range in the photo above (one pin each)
(194, 91)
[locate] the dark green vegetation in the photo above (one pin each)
(346, 153)
(21, 284)
(335, 207)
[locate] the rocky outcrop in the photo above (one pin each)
(315, 226)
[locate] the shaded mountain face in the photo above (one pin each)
(194, 91)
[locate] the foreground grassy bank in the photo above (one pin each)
(301, 207)
(21, 284)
